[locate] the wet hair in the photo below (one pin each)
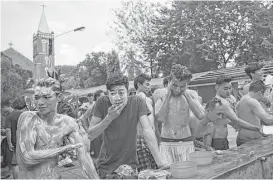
(180, 72)
(257, 86)
(166, 81)
(90, 94)
(97, 94)
(50, 82)
(211, 104)
(19, 103)
(223, 79)
(140, 79)
(117, 80)
(252, 67)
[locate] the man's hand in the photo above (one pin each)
(164, 167)
(11, 147)
(262, 132)
(70, 147)
(114, 111)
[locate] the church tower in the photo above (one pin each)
(43, 49)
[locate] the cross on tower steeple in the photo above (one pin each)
(43, 6)
(10, 44)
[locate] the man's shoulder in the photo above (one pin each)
(248, 101)
(28, 113)
(161, 91)
(192, 93)
(103, 99)
(223, 100)
(66, 119)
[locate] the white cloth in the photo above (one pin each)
(176, 151)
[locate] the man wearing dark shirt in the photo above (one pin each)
(116, 116)
(11, 128)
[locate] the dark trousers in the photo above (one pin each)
(95, 147)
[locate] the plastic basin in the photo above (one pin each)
(202, 158)
(185, 169)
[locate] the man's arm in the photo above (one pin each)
(26, 141)
(232, 116)
(195, 106)
(97, 127)
(150, 139)
(8, 132)
(83, 157)
(84, 118)
(259, 111)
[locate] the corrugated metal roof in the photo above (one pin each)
(154, 82)
(236, 73)
(18, 58)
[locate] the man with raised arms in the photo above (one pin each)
(40, 135)
(174, 113)
(250, 110)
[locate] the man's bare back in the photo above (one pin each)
(245, 112)
(39, 144)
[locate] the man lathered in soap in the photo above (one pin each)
(175, 116)
(40, 135)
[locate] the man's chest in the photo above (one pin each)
(178, 106)
(50, 135)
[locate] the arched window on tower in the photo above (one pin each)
(35, 48)
(44, 46)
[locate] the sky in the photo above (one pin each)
(20, 20)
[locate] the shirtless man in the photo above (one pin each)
(40, 135)
(174, 114)
(223, 92)
(250, 110)
(145, 158)
(216, 109)
(158, 96)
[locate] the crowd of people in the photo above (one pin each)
(126, 131)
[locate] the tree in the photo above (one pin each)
(208, 35)
(11, 80)
(203, 35)
(132, 25)
(92, 70)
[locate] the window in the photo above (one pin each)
(35, 49)
(44, 46)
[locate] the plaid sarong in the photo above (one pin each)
(145, 157)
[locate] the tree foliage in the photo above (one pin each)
(13, 78)
(202, 35)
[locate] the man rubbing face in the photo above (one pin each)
(118, 95)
